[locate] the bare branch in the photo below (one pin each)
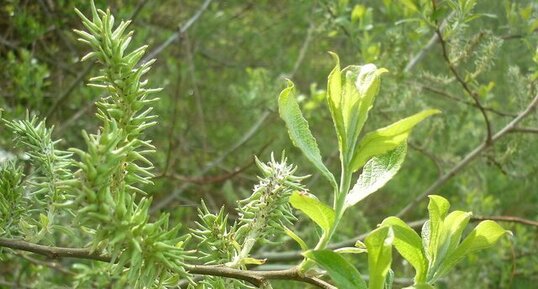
(525, 129)
(508, 219)
(176, 35)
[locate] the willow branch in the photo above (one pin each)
(470, 157)
(256, 278)
(465, 85)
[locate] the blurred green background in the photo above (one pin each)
(223, 71)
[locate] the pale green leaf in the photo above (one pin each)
(361, 87)
(454, 224)
(379, 244)
(344, 274)
(299, 131)
(386, 139)
(311, 206)
(334, 99)
(376, 173)
(409, 245)
(437, 208)
(484, 236)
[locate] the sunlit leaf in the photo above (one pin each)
(409, 245)
(386, 139)
(311, 206)
(344, 274)
(376, 173)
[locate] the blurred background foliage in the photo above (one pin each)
(221, 78)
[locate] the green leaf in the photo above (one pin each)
(386, 139)
(379, 244)
(297, 239)
(344, 274)
(484, 236)
(409, 245)
(320, 213)
(376, 173)
(350, 95)
(437, 208)
(299, 131)
(334, 99)
(455, 223)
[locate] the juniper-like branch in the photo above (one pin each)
(256, 278)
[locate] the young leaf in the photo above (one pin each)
(376, 173)
(320, 213)
(379, 244)
(437, 208)
(409, 245)
(344, 274)
(386, 139)
(334, 99)
(299, 132)
(350, 95)
(485, 235)
(455, 223)
(296, 238)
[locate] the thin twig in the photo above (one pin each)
(508, 219)
(471, 103)
(209, 179)
(180, 31)
(525, 129)
(304, 48)
(420, 55)
(198, 99)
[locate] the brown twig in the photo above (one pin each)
(508, 219)
(525, 129)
